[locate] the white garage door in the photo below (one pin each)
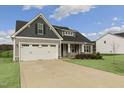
(38, 51)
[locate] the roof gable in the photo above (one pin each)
(115, 34)
(77, 38)
(22, 26)
(25, 26)
(31, 31)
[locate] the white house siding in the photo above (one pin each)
(18, 40)
(114, 44)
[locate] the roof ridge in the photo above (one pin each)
(21, 21)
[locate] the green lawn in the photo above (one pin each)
(6, 54)
(105, 64)
(9, 73)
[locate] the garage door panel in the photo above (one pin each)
(39, 52)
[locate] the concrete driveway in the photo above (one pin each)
(57, 73)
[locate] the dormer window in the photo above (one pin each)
(40, 28)
(68, 33)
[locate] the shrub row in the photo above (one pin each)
(89, 56)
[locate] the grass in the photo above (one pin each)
(105, 64)
(6, 54)
(9, 73)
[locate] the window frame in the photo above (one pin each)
(52, 45)
(35, 45)
(25, 45)
(40, 28)
(44, 45)
(68, 33)
(87, 48)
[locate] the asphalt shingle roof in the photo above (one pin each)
(77, 38)
(20, 24)
(120, 34)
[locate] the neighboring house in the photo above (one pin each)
(38, 39)
(111, 43)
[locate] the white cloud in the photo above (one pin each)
(28, 7)
(112, 30)
(92, 34)
(115, 19)
(84, 34)
(67, 10)
(5, 36)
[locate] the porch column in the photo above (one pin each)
(91, 48)
(60, 52)
(69, 49)
(82, 48)
(13, 40)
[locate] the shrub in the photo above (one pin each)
(98, 56)
(88, 56)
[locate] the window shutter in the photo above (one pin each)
(44, 29)
(36, 28)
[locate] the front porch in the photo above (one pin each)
(71, 49)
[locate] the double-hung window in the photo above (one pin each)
(40, 29)
(68, 33)
(87, 48)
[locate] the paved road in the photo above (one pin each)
(57, 73)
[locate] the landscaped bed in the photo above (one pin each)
(114, 64)
(9, 73)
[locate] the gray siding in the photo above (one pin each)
(34, 41)
(31, 31)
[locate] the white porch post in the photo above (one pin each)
(69, 49)
(60, 52)
(13, 40)
(91, 48)
(82, 48)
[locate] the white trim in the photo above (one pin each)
(69, 48)
(40, 15)
(51, 27)
(82, 48)
(102, 36)
(72, 42)
(60, 52)
(19, 51)
(87, 47)
(91, 49)
(37, 43)
(38, 28)
(108, 34)
(25, 26)
(13, 49)
(68, 33)
(20, 37)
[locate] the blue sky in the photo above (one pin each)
(92, 21)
